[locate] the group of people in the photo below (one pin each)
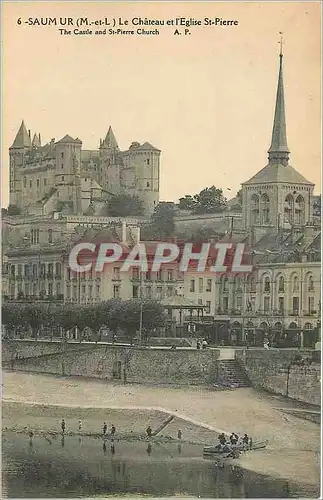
(104, 428)
(234, 441)
(201, 344)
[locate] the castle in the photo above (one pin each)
(62, 177)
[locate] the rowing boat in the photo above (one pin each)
(215, 450)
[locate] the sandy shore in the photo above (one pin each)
(291, 441)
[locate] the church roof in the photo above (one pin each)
(277, 173)
(22, 138)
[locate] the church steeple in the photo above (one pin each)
(278, 151)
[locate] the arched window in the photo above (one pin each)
(292, 325)
(251, 284)
(266, 284)
(264, 326)
(289, 209)
(265, 209)
(299, 210)
(310, 283)
(281, 284)
(308, 326)
(255, 209)
(295, 283)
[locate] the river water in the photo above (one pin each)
(85, 467)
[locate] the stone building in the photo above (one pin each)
(61, 176)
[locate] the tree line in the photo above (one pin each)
(57, 319)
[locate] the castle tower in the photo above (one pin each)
(17, 152)
(108, 146)
(278, 196)
(144, 164)
(68, 173)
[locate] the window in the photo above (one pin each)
(116, 291)
(50, 288)
(38, 183)
(209, 285)
(148, 184)
(135, 272)
(169, 291)
(192, 286)
(26, 271)
(13, 271)
(62, 178)
(170, 275)
(42, 270)
(62, 165)
(58, 289)
(35, 270)
(200, 302)
(159, 276)
(225, 304)
(148, 161)
(281, 304)
(266, 304)
(19, 269)
(267, 285)
(295, 305)
(208, 306)
(116, 273)
(25, 182)
(50, 270)
(135, 291)
(50, 236)
(159, 292)
(30, 183)
(200, 285)
(58, 269)
(90, 291)
(310, 304)
(62, 155)
(281, 284)
(148, 292)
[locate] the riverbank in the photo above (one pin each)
(201, 413)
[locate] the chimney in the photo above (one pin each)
(124, 233)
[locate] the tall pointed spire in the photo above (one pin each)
(278, 151)
(110, 140)
(22, 139)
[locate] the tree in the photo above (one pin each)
(13, 210)
(209, 200)
(122, 205)
(187, 202)
(162, 223)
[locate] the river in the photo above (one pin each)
(85, 467)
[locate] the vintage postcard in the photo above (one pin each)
(161, 249)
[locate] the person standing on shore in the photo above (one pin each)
(179, 434)
(113, 430)
(105, 428)
(63, 425)
(80, 425)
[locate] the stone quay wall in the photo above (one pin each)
(272, 370)
(113, 362)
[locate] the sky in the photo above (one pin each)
(205, 99)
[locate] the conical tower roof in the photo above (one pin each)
(278, 151)
(22, 139)
(110, 140)
(36, 141)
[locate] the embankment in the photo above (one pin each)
(273, 371)
(114, 362)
